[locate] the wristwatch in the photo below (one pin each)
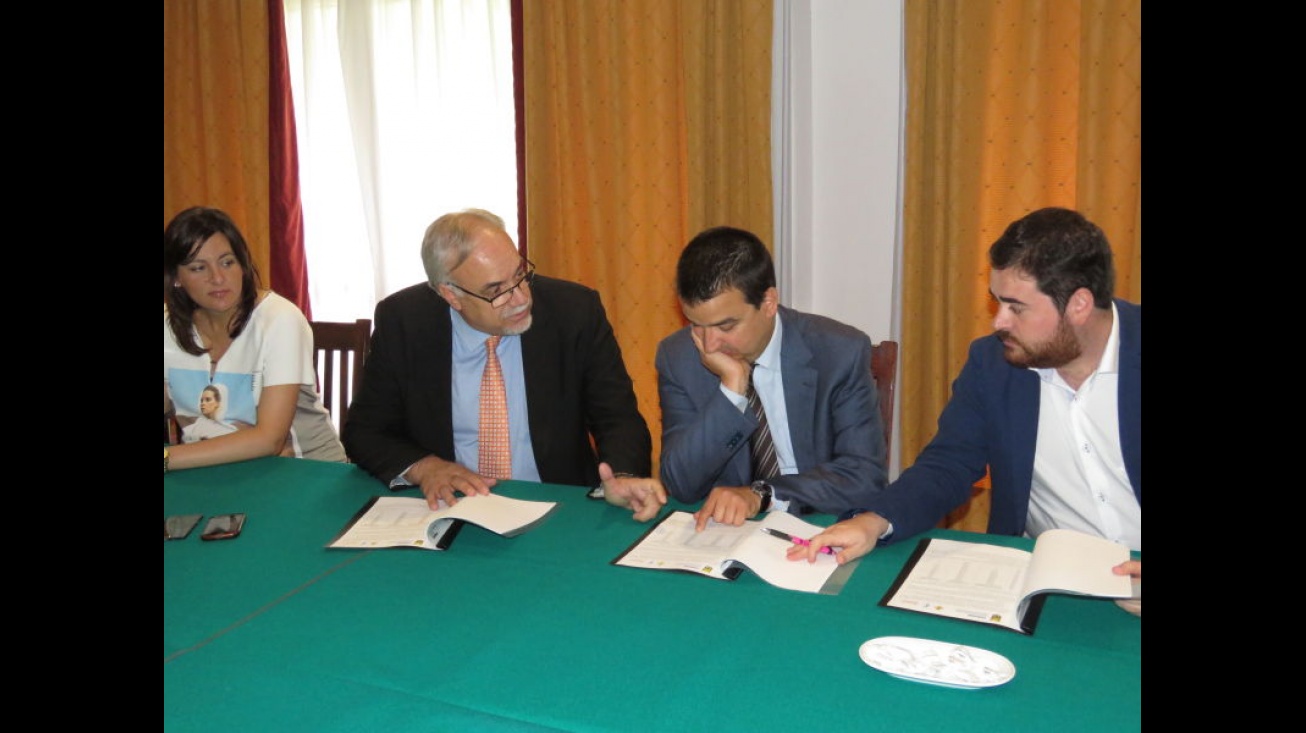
(165, 459)
(765, 493)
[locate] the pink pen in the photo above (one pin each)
(796, 540)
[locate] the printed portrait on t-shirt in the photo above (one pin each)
(207, 409)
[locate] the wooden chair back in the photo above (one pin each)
(884, 368)
(340, 356)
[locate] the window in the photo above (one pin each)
(403, 112)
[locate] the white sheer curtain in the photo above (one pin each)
(404, 111)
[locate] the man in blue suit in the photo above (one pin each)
(811, 374)
(1050, 404)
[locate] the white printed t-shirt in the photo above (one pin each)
(275, 348)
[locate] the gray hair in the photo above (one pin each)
(449, 239)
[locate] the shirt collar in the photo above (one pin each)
(1108, 364)
(770, 356)
(466, 338)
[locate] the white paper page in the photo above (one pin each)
(674, 545)
(1073, 562)
(392, 521)
(497, 513)
(966, 580)
(767, 556)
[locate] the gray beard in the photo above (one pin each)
(523, 328)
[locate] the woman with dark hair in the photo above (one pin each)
(221, 327)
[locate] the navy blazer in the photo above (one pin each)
(992, 421)
(834, 419)
(576, 384)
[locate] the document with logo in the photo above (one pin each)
(1005, 586)
(723, 551)
(399, 521)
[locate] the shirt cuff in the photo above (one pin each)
(854, 512)
(401, 481)
(738, 400)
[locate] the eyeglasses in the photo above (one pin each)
(501, 298)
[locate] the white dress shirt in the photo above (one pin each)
(1080, 480)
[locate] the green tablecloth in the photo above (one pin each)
(272, 631)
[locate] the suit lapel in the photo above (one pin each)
(540, 355)
(1129, 397)
(1024, 417)
(432, 362)
(800, 379)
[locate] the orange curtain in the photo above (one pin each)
(215, 114)
(1012, 106)
(229, 130)
(646, 122)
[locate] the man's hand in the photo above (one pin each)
(1134, 569)
(728, 505)
(644, 496)
(856, 537)
(733, 372)
(440, 479)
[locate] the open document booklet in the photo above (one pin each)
(399, 521)
(1004, 586)
(723, 551)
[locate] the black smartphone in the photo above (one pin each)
(223, 527)
(178, 526)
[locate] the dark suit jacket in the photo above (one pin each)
(834, 419)
(576, 385)
(992, 421)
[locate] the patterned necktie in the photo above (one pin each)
(765, 465)
(494, 448)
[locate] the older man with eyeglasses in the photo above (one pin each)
(483, 336)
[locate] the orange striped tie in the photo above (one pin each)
(495, 450)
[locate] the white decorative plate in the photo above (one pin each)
(937, 662)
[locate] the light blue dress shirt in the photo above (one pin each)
(770, 386)
(468, 364)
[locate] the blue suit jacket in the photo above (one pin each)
(992, 421)
(834, 419)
